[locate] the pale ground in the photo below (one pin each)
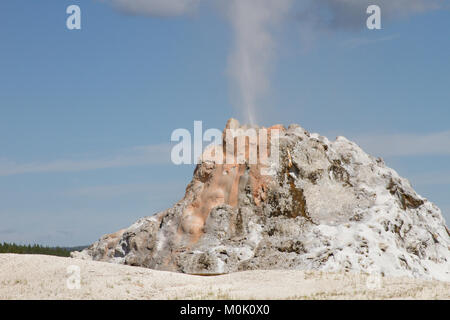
(45, 277)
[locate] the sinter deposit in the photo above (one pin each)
(326, 206)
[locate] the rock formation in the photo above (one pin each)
(326, 206)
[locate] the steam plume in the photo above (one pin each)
(254, 48)
(254, 21)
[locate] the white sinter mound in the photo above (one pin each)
(328, 206)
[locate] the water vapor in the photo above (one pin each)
(254, 49)
(254, 23)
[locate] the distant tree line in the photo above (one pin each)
(37, 249)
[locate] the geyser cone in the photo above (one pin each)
(327, 205)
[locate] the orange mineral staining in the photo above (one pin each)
(217, 184)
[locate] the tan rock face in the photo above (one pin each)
(220, 184)
(325, 205)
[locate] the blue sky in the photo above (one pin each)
(86, 115)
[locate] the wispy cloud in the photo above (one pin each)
(351, 14)
(162, 8)
(446, 212)
(363, 41)
(38, 236)
(391, 145)
(253, 22)
(117, 190)
(136, 156)
(432, 178)
(7, 231)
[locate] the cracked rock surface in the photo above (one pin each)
(327, 206)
